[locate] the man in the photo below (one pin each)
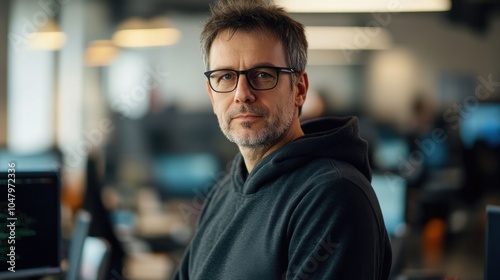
(297, 202)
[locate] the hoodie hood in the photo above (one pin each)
(334, 138)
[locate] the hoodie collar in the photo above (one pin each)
(334, 137)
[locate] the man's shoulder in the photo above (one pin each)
(324, 170)
(330, 179)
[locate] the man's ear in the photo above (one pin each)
(302, 85)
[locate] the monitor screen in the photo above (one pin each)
(185, 174)
(391, 193)
(389, 150)
(481, 123)
(30, 223)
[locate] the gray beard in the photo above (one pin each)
(267, 136)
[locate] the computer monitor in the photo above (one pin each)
(185, 175)
(391, 193)
(389, 150)
(30, 235)
(481, 123)
(492, 258)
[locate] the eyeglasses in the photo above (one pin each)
(259, 78)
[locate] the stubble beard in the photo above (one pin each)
(275, 125)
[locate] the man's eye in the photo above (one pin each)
(227, 76)
(264, 75)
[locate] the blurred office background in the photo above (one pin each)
(112, 94)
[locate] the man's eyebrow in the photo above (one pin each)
(263, 64)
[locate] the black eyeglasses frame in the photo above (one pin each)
(245, 72)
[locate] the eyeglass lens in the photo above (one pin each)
(259, 78)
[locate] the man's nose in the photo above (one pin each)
(243, 92)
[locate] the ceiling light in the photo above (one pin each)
(348, 38)
(366, 6)
(48, 37)
(47, 40)
(146, 37)
(140, 33)
(100, 53)
(331, 57)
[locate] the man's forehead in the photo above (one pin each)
(259, 33)
(260, 43)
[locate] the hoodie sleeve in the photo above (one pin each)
(334, 233)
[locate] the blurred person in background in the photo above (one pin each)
(297, 202)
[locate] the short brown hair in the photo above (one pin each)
(255, 15)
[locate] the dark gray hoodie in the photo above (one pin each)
(306, 211)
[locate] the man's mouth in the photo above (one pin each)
(246, 117)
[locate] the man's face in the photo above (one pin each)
(248, 117)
